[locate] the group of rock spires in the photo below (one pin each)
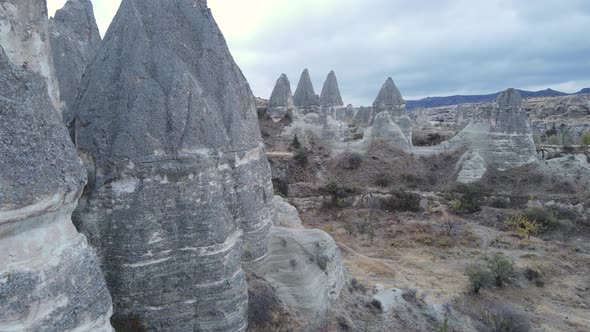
(305, 95)
(49, 276)
(178, 195)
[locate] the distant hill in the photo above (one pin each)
(454, 100)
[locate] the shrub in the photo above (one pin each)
(499, 203)
(503, 318)
(281, 187)
(296, 144)
(554, 140)
(402, 201)
(585, 138)
(545, 218)
(524, 225)
(478, 276)
(356, 285)
(411, 180)
(467, 199)
(338, 193)
(301, 157)
(352, 161)
(501, 269)
(383, 180)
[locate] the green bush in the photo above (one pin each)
(301, 157)
(338, 193)
(296, 144)
(352, 161)
(585, 138)
(467, 198)
(502, 318)
(501, 269)
(281, 187)
(479, 277)
(402, 201)
(544, 217)
(383, 180)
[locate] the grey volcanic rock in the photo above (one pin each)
(305, 95)
(331, 92)
(500, 134)
(389, 95)
(24, 36)
(305, 267)
(386, 129)
(180, 189)
(49, 276)
(74, 40)
(281, 99)
(287, 214)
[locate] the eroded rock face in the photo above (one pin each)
(49, 276)
(305, 95)
(281, 99)
(74, 40)
(306, 269)
(331, 92)
(180, 191)
(24, 38)
(386, 129)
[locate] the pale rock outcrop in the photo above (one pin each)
(287, 214)
(49, 276)
(74, 40)
(500, 134)
(305, 267)
(24, 38)
(472, 168)
(305, 96)
(281, 99)
(385, 128)
(330, 95)
(180, 190)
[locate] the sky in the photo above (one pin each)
(429, 47)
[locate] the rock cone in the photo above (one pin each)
(74, 40)
(180, 189)
(49, 276)
(389, 95)
(281, 94)
(305, 95)
(331, 92)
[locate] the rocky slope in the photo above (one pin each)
(49, 276)
(180, 191)
(74, 40)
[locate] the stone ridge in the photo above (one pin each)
(180, 188)
(305, 95)
(389, 95)
(74, 39)
(281, 94)
(331, 92)
(509, 98)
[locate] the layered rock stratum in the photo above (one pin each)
(330, 95)
(49, 276)
(74, 41)
(179, 191)
(305, 95)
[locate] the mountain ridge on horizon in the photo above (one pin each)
(464, 99)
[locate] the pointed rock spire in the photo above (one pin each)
(389, 95)
(281, 94)
(305, 96)
(330, 92)
(509, 98)
(74, 39)
(182, 191)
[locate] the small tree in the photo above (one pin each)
(524, 225)
(301, 157)
(296, 144)
(585, 139)
(478, 276)
(501, 268)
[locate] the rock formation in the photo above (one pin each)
(389, 95)
(305, 95)
(331, 92)
(49, 276)
(500, 134)
(386, 129)
(281, 99)
(24, 39)
(179, 188)
(74, 40)
(306, 269)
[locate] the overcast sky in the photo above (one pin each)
(429, 47)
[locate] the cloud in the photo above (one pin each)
(429, 47)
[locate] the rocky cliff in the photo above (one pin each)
(179, 191)
(74, 40)
(49, 276)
